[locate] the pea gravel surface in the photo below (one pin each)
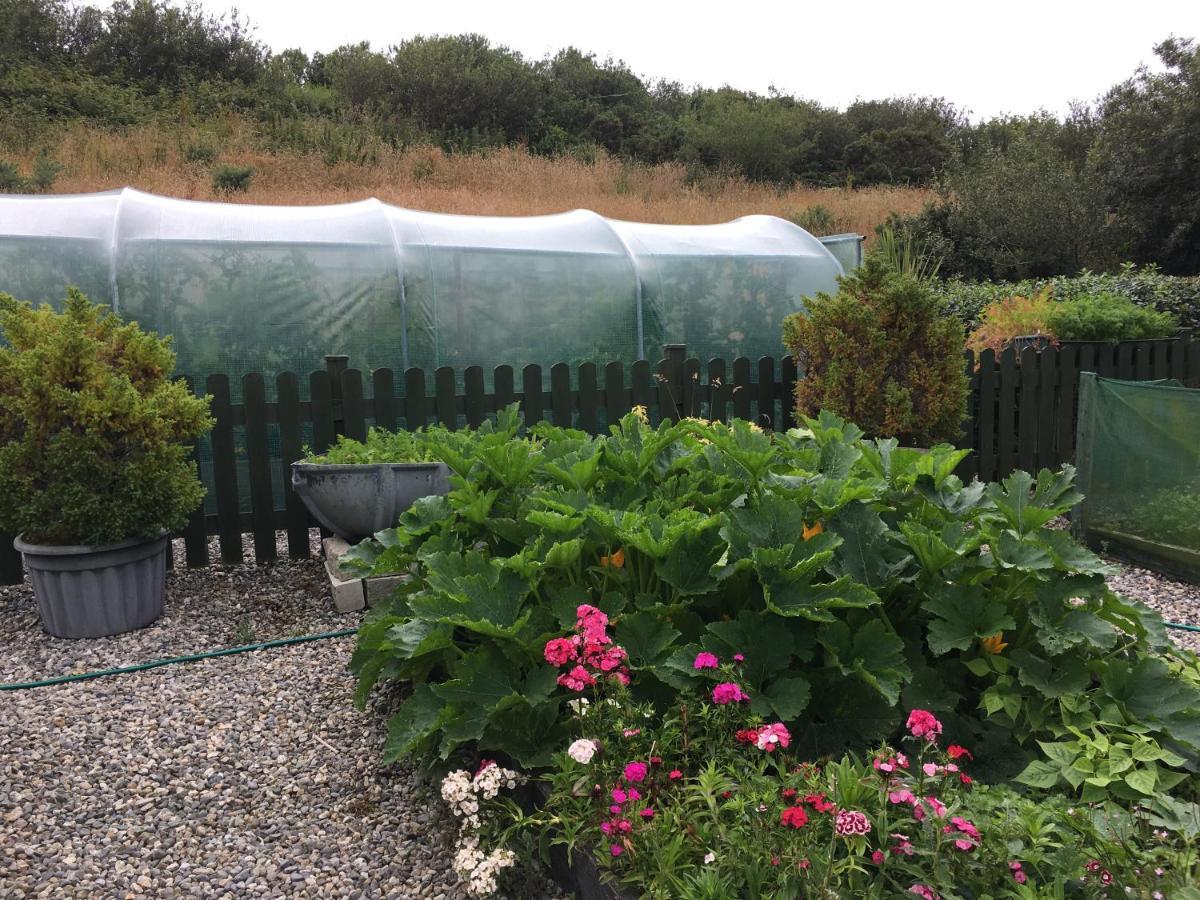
(250, 775)
(1177, 601)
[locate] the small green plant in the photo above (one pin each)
(94, 431)
(45, 173)
(200, 153)
(243, 631)
(1012, 317)
(883, 353)
(903, 252)
(11, 181)
(381, 446)
(1108, 317)
(232, 179)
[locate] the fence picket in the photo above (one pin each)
(589, 399)
(506, 395)
(258, 468)
(767, 419)
(642, 390)
(718, 403)
(1006, 420)
(354, 412)
(320, 389)
(985, 416)
(225, 481)
(741, 388)
(291, 448)
(475, 405)
(383, 394)
(531, 385)
(1047, 389)
(416, 404)
(447, 414)
(616, 400)
(11, 569)
(1068, 385)
(1027, 413)
(195, 533)
(560, 395)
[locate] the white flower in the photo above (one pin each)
(582, 751)
(709, 857)
(578, 706)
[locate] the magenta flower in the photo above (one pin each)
(705, 660)
(616, 850)
(727, 692)
(737, 657)
(772, 736)
(924, 891)
(577, 679)
(560, 651)
(923, 724)
(877, 857)
(647, 813)
(619, 795)
(635, 772)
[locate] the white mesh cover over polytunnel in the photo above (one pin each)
(253, 288)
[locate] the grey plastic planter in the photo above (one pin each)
(87, 592)
(355, 501)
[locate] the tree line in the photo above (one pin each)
(1018, 196)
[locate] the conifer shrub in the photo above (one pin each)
(93, 430)
(884, 353)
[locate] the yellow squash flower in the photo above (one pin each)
(617, 560)
(811, 531)
(993, 643)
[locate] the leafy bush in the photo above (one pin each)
(232, 179)
(882, 352)
(1107, 317)
(92, 428)
(855, 577)
(381, 446)
(1012, 317)
(41, 179)
(818, 219)
(1147, 287)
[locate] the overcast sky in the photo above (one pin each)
(986, 56)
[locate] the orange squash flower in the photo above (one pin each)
(811, 531)
(993, 643)
(617, 560)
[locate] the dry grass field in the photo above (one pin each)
(509, 182)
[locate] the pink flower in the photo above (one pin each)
(635, 772)
(616, 850)
(902, 796)
(674, 774)
(624, 826)
(929, 769)
(924, 891)
(560, 651)
(621, 676)
(619, 795)
(971, 841)
(705, 660)
(919, 813)
(634, 794)
(737, 657)
(484, 764)
(577, 679)
(606, 827)
(903, 845)
(877, 857)
(956, 752)
(631, 732)
(1020, 878)
(771, 736)
(615, 810)
(850, 822)
(936, 805)
(647, 813)
(727, 692)
(921, 723)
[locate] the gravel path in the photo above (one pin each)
(205, 609)
(1178, 601)
(244, 776)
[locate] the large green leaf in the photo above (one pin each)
(415, 720)
(529, 734)
(873, 653)
(416, 637)
(1027, 506)
(787, 696)
(1024, 553)
(867, 553)
(766, 646)
(963, 615)
(1052, 678)
(475, 592)
(645, 637)
(814, 601)
(688, 566)
(482, 678)
(774, 522)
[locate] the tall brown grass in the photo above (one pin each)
(507, 182)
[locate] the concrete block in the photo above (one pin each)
(346, 587)
(381, 588)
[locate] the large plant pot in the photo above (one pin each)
(87, 592)
(355, 501)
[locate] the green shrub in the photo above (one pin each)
(1107, 317)
(1146, 286)
(818, 219)
(883, 353)
(858, 580)
(200, 152)
(45, 173)
(93, 430)
(232, 179)
(11, 180)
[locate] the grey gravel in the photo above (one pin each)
(1178, 601)
(250, 775)
(205, 609)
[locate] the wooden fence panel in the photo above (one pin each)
(476, 405)
(1068, 388)
(354, 411)
(416, 404)
(1027, 411)
(1047, 395)
(741, 388)
(719, 391)
(560, 395)
(446, 388)
(383, 398)
(195, 533)
(1006, 421)
(766, 394)
(589, 399)
(985, 416)
(616, 400)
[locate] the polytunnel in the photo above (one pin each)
(248, 288)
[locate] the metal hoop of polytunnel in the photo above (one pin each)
(275, 288)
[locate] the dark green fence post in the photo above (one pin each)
(335, 365)
(670, 382)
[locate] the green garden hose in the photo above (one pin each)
(265, 645)
(170, 661)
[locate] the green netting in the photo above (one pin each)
(1139, 467)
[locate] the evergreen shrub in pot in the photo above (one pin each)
(94, 463)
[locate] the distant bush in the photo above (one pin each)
(232, 179)
(11, 181)
(818, 219)
(881, 351)
(41, 179)
(1107, 317)
(200, 152)
(1147, 287)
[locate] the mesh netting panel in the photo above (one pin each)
(1139, 467)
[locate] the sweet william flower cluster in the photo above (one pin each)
(590, 652)
(465, 794)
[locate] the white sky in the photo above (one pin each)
(986, 56)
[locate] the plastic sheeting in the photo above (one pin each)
(1139, 470)
(253, 288)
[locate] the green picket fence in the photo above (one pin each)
(1021, 414)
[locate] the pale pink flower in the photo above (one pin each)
(705, 660)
